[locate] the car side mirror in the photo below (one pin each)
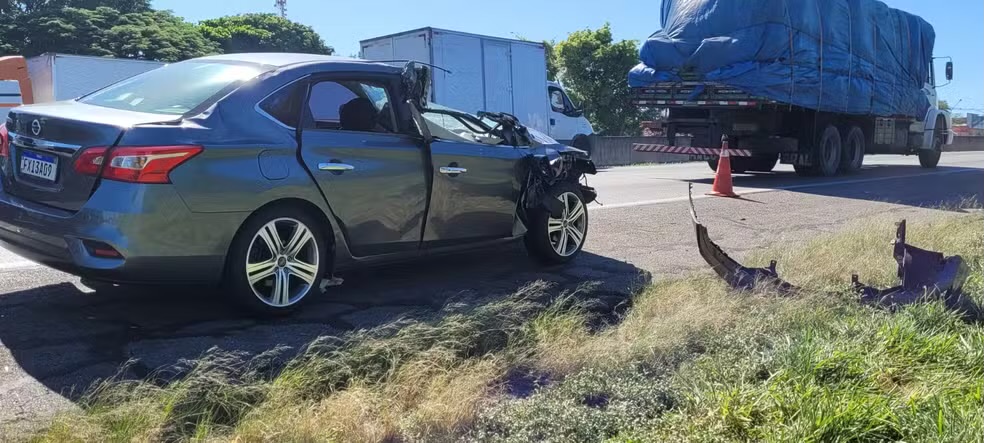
(949, 71)
(577, 112)
(419, 121)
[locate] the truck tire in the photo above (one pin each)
(852, 155)
(929, 158)
(738, 165)
(764, 163)
(827, 152)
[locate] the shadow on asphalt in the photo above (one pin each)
(67, 339)
(898, 190)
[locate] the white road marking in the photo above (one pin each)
(781, 188)
(18, 265)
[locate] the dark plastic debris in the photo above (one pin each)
(924, 276)
(738, 276)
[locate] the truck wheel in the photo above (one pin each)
(558, 240)
(852, 155)
(804, 171)
(929, 158)
(827, 152)
(764, 163)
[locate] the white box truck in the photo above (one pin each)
(63, 77)
(488, 74)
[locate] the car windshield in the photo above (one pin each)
(173, 89)
(448, 123)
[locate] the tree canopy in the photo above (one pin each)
(133, 29)
(263, 33)
(593, 67)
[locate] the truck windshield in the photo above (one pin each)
(173, 89)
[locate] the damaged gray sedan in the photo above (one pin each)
(269, 173)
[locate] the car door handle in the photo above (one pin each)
(452, 170)
(335, 167)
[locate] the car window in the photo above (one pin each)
(173, 89)
(557, 99)
(285, 105)
(351, 106)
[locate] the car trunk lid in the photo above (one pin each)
(45, 141)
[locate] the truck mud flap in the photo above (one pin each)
(737, 276)
(924, 276)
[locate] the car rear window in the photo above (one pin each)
(173, 89)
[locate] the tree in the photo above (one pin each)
(104, 31)
(553, 66)
(594, 68)
(263, 33)
(943, 105)
(158, 35)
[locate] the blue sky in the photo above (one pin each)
(958, 23)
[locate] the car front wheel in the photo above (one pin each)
(276, 261)
(555, 240)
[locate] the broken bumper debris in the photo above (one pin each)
(923, 275)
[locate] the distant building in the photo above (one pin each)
(975, 121)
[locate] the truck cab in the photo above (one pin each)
(567, 121)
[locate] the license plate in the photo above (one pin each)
(39, 165)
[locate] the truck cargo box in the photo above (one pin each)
(64, 77)
(842, 56)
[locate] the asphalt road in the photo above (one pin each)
(56, 338)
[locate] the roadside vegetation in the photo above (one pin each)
(689, 361)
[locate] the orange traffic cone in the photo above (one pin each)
(722, 178)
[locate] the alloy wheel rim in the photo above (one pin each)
(566, 233)
(282, 262)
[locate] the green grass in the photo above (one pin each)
(690, 361)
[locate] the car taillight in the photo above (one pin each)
(89, 161)
(135, 164)
(4, 141)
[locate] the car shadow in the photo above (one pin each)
(66, 338)
(882, 183)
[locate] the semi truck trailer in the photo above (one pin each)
(817, 84)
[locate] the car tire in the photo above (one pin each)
(929, 158)
(713, 164)
(852, 156)
(269, 282)
(547, 237)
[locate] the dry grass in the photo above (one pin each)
(690, 361)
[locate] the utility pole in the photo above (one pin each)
(281, 5)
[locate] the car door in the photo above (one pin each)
(475, 191)
(372, 176)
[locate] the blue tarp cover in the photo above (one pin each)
(847, 56)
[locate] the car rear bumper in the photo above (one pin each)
(159, 239)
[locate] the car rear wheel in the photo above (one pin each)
(276, 261)
(555, 240)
